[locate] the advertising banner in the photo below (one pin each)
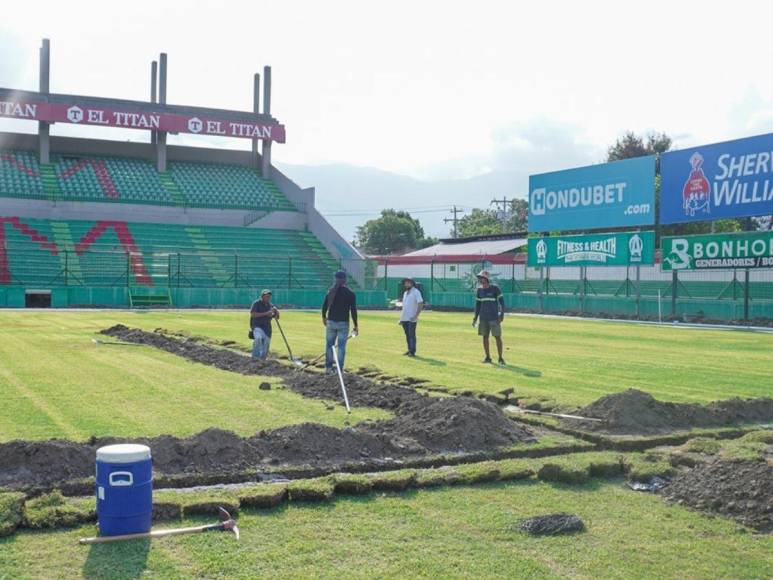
(723, 180)
(716, 251)
(134, 119)
(614, 249)
(615, 194)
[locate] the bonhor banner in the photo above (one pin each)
(615, 249)
(724, 180)
(615, 194)
(715, 251)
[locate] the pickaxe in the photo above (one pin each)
(315, 359)
(226, 524)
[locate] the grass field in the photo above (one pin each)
(58, 383)
(55, 382)
(440, 533)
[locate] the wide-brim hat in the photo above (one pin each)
(266, 291)
(483, 274)
(409, 279)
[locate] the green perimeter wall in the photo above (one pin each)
(118, 297)
(717, 309)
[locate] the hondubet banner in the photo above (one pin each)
(723, 180)
(613, 249)
(621, 193)
(718, 251)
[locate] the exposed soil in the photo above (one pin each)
(636, 412)
(421, 426)
(742, 490)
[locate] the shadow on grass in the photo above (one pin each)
(521, 371)
(430, 361)
(117, 560)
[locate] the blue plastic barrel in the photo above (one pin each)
(124, 489)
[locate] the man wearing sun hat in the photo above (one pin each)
(490, 310)
(261, 313)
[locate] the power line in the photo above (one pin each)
(366, 212)
(455, 220)
(506, 212)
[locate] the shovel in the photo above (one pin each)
(296, 361)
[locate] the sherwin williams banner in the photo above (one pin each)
(714, 251)
(615, 249)
(615, 194)
(724, 180)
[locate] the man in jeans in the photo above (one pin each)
(490, 308)
(340, 303)
(261, 313)
(413, 304)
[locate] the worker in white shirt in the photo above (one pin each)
(413, 304)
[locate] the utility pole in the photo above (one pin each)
(504, 209)
(455, 220)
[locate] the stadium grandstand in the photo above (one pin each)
(89, 222)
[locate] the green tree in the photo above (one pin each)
(482, 222)
(392, 232)
(479, 222)
(632, 145)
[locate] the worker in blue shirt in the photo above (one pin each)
(490, 310)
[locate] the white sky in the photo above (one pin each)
(436, 90)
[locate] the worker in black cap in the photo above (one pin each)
(340, 303)
(261, 313)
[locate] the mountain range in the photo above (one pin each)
(362, 192)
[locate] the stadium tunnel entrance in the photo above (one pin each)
(37, 299)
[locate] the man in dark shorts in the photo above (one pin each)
(339, 304)
(490, 310)
(261, 313)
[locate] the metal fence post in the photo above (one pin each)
(432, 274)
(168, 270)
(178, 269)
(746, 296)
(541, 289)
(583, 274)
(674, 292)
(289, 272)
(638, 292)
(128, 267)
(386, 275)
(66, 265)
(236, 270)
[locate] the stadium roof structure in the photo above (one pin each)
(497, 248)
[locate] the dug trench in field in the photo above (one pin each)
(422, 426)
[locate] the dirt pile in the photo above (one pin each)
(637, 412)
(44, 461)
(454, 424)
(742, 490)
(421, 426)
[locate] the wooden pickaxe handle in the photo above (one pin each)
(228, 525)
